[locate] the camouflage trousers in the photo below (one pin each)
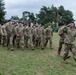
(37, 41)
(9, 42)
(32, 42)
(26, 39)
(3, 41)
(43, 41)
(67, 48)
(60, 47)
(20, 41)
(50, 41)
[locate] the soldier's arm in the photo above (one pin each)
(2, 31)
(16, 31)
(62, 30)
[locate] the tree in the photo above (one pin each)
(53, 14)
(2, 12)
(66, 16)
(32, 17)
(44, 15)
(25, 16)
(14, 18)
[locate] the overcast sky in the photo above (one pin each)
(16, 7)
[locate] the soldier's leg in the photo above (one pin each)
(22, 42)
(14, 40)
(26, 41)
(31, 42)
(36, 41)
(50, 41)
(66, 51)
(4, 40)
(42, 42)
(8, 40)
(18, 41)
(73, 50)
(39, 41)
(11, 42)
(60, 47)
(46, 41)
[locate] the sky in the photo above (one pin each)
(16, 7)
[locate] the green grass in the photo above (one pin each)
(37, 62)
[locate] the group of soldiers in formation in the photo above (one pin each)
(24, 36)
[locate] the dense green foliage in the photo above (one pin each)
(53, 14)
(2, 12)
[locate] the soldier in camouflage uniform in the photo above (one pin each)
(49, 35)
(38, 33)
(32, 37)
(69, 39)
(36, 36)
(4, 35)
(42, 37)
(61, 40)
(26, 31)
(20, 36)
(10, 34)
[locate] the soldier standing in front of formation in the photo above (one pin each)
(69, 39)
(26, 31)
(32, 37)
(20, 36)
(49, 35)
(10, 34)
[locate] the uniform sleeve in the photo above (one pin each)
(16, 30)
(61, 30)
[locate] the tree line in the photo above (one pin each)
(56, 15)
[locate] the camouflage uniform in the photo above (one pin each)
(49, 35)
(4, 35)
(32, 37)
(42, 37)
(61, 40)
(38, 35)
(26, 35)
(10, 34)
(19, 36)
(69, 39)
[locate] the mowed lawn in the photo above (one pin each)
(36, 62)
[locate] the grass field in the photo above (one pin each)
(37, 62)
